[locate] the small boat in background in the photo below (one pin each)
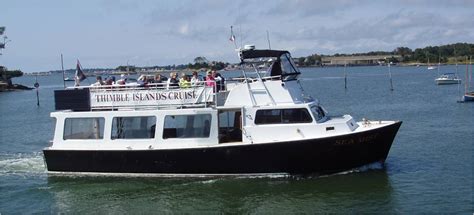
(69, 79)
(431, 67)
(468, 92)
(468, 97)
(448, 78)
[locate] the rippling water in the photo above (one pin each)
(429, 168)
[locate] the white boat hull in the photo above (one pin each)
(447, 81)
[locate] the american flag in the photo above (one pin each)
(79, 74)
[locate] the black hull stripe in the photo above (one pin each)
(325, 155)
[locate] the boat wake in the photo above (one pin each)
(369, 167)
(208, 178)
(22, 164)
(321, 78)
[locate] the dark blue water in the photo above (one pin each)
(429, 168)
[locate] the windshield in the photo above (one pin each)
(289, 69)
(318, 113)
(272, 64)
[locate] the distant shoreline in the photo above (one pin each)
(113, 72)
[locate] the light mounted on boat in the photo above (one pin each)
(249, 47)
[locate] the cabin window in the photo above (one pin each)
(282, 116)
(83, 128)
(187, 126)
(141, 127)
(318, 113)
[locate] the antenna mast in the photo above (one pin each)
(268, 39)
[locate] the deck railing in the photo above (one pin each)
(151, 96)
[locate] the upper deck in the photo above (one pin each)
(276, 85)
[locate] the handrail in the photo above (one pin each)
(264, 86)
(156, 94)
(136, 86)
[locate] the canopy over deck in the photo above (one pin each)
(248, 54)
(282, 65)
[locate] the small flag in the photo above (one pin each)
(79, 74)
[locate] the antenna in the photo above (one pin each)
(268, 39)
(232, 36)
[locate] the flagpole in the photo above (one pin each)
(240, 31)
(62, 67)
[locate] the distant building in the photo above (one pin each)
(357, 60)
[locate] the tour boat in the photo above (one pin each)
(253, 125)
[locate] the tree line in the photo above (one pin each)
(6, 75)
(199, 63)
(432, 54)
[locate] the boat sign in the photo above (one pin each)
(149, 97)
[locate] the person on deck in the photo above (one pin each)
(122, 80)
(173, 82)
(110, 80)
(195, 79)
(159, 80)
(184, 81)
(220, 81)
(142, 80)
(98, 82)
(210, 82)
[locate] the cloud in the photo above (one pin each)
(168, 32)
(402, 28)
(184, 29)
(309, 8)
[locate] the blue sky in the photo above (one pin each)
(109, 33)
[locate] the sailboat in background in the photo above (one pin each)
(430, 67)
(448, 78)
(468, 92)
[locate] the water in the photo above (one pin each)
(429, 168)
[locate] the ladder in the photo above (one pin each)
(262, 89)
